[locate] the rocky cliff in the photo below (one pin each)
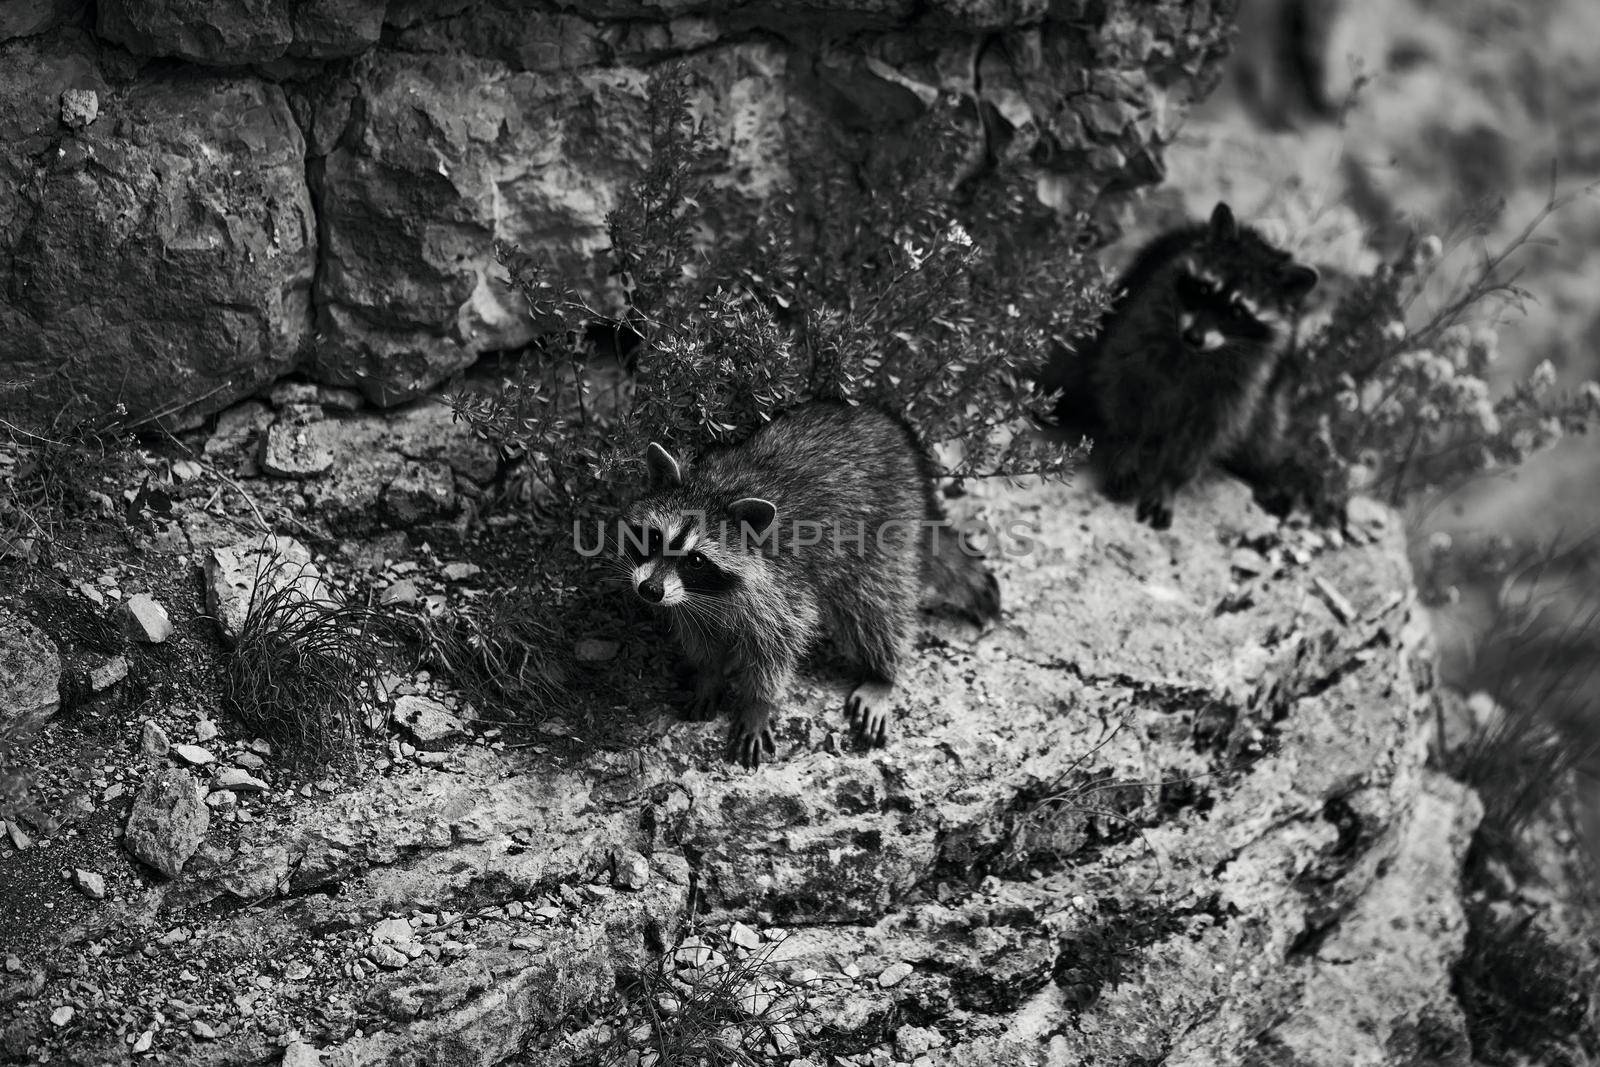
(198, 198)
(1174, 808)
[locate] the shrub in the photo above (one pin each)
(57, 474)
(874, 286)
(304, 670)
(1397, 397)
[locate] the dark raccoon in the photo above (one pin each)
(817, 523)
(1186, 367)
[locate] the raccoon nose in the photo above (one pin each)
(1194, 336)
(651, 589)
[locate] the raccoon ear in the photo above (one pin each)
(753, 512)
(664, 470)
(1299, 279)
(1222, 222)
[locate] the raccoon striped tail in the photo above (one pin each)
(955, 577)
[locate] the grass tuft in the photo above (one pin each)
(732, 1011)
(304, 671)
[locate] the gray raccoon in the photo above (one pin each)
(1187, 367)
(728, 549)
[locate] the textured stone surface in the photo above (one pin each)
(163, 254)
(255, 569)
(168, 821)
(160, 257)
(1209, 837)
(30, 677)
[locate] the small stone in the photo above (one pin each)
(13, 964)
(168, 821)
(1247, 561)
(287, 394)
(744, 936)
(894, 974)
(153, 740)
(692, 952)
(19, 838)
(388, 957)
(108, 674)
(147, 620)
(249, 761)
(202, 1030)
(62, 1015)
(395, 931)
(205, 730)
(92, 884)
(527, 944)
(803, 977)
(335, 399)
(290, 450)
(79, 108)
(143, 1042)
(595, 650)
(297, 972)
(193, 754)
(629, 869)
(402, 592)
(430, 722)
(458, 572)
(238, 780)
(300, 1054)
(260, 747)
(222, 800)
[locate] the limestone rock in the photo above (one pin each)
(107, 673)
(30, 676)
(422, 491)
(262, 875)
(291, 449)
(168, 821)
(234, 34)
(256, 568)
(153, 741)
(430, 722)
(186, 306)
(79, 108)
(147, 619)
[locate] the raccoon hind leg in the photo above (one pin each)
(960, 579)
(875, 632)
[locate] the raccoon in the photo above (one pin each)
(1186, 368)
(824, 520)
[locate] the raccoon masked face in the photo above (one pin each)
(1236, 287)
(678, 550)
(673, 562)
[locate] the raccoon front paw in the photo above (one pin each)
(1157, 511)
(750, 737)
(707, 700)
(868, 708)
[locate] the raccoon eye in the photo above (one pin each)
(694, 561)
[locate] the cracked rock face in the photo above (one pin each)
(1207, 838)
(30, 677)
(163, 253)
(277, 185)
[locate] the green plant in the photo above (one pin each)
(1394, 388)
(303, 671)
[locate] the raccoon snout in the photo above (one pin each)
(1195, 336)
(652, 589)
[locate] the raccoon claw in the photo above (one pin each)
(750, 738)
(704, 706)
(1157, 513)
(868, 708)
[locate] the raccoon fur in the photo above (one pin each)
(1186, 369)
(819, 522)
